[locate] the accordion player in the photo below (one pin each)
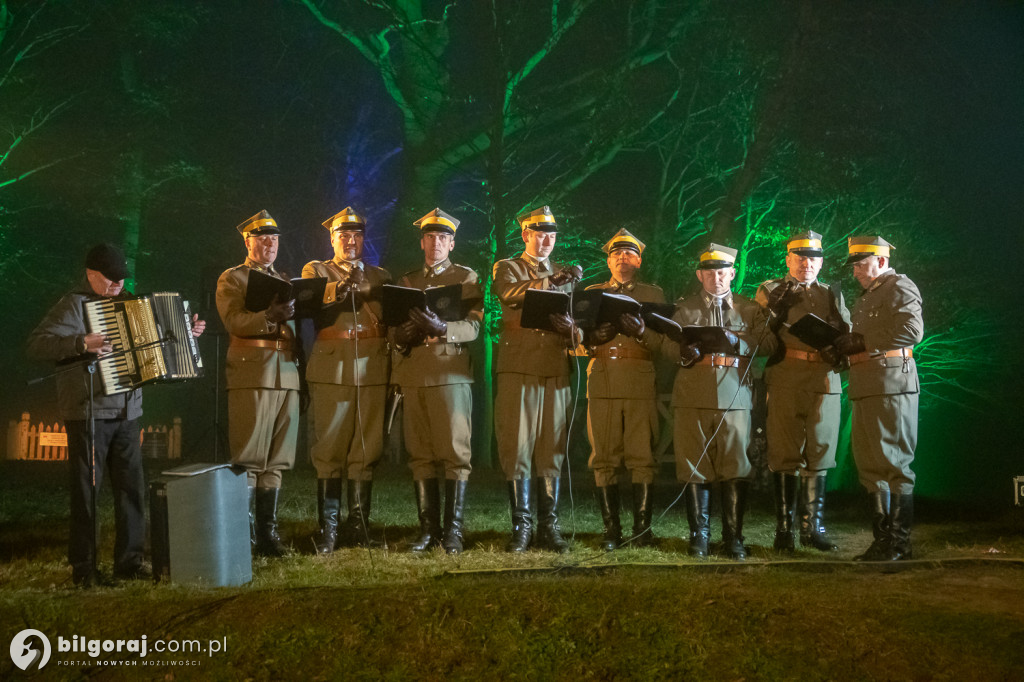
(151, 338)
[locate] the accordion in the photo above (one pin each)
(151, 338)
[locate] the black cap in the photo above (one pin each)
(108, 260)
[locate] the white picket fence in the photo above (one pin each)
(49, 443)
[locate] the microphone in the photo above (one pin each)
(575, 273)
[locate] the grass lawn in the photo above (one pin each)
(955, 612)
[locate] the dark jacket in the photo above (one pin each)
(60, 338)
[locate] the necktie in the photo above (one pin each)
(717, 319)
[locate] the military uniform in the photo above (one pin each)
(884, 391)
(348, 369)
(715, 389)
(262, 382)
(533, 395)
(435, 376)
(531, 406)
(622, 407)
(804, 401)
(347, 375)
(711, 401)
(263, 386)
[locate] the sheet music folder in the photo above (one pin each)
(307, 292)
(445, 302)
(814, 331)
(709, 339)
(538, 304)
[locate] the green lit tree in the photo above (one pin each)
(28, 109)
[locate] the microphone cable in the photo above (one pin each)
(364, 521)
(753, 353)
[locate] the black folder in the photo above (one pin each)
(709, 339)
(586, 308)
(538, 304)
(663, 325)
(445, 302)
(307, 292)
(814, 331)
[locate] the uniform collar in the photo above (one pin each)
(616, 285)
(880, 280)
(709, 299)
(259, 267)
(437, 268)
(796, 282)
(348, 265)
(539, 263)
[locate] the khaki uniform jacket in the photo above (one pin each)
(707, 387)
(888, 315)
(439, 362)
(334, 360)
(60, 338)
(826, 303)
(527, 351)
(252, 367)
(631, 378)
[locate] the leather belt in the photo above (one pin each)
(905, 353)
(286, 345)
(723, 361)
(809, 356)
(335, 334)
(616, 352)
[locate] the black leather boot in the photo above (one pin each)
(454, 504)
(698, 516)
(549, 533)
(812, 514)
(881, 546)
(355, 531)
(608, 496)
(642, 535)
(268, 542)
(522, 522)
(328, 506)
(428, 507)
(734, 505)
(900, 521)
(785, 510)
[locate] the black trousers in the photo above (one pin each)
(117, 454)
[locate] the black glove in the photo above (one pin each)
(733, 340)
(780, 299)
(690, 355)
(850, 344)
(631, 325)
(408, 334)
(354, 283)
(304, 400)
(572, 274)
(428, 322)
(562, 324)
(279, 310)
(601, 334)
(830, 355)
